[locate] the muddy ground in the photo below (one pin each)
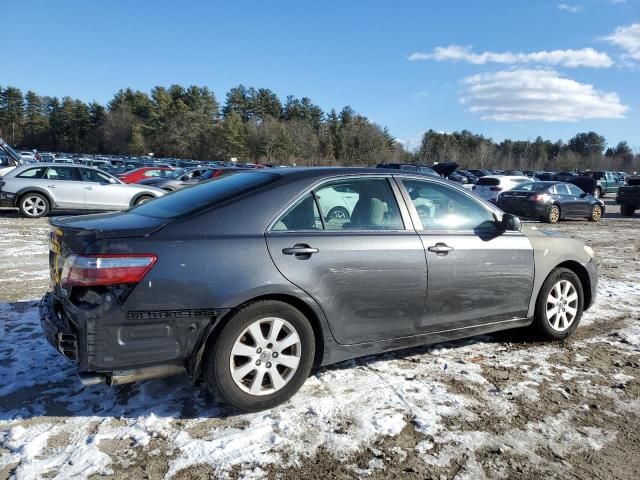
(498, 406)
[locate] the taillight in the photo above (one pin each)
(543, 197)
(496, 189)
(108, 269)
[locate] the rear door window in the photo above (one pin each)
(562, 189)
(63, 173)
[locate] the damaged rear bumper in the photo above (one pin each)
(114, 346)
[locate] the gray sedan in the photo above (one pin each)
(37, 189)
(246, 281)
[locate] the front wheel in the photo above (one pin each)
(34, 205)
(559, 305)
(596, 214)
(261, 357)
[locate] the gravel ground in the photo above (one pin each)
(490, 407)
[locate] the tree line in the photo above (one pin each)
(252, 125)
(586, 150)
(256, 125)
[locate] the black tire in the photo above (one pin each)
(596, 214)
(553, 215)
(217, 362)
(33, 205)
(338, 213)
(627, 210)
(142, 199)
(541, 324)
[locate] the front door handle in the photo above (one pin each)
(88, 188)
(440, 248)
(300, 249)
(51, 186)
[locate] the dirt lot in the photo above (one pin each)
(489, 407)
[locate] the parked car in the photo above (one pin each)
(490, 186)
(9, 159)
(629, 196)
(28, 157)
(38, 189)
(564, 176)
(410, 167)
(608, 182)
(180, 178)
(458, 177)
(249, 307)
(471, 178)
(142, 173)
(480, 172)
(551, 202)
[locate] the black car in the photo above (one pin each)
(565, 176)
(247, 283)
(551, 202)
(410, 167)
(479, 173)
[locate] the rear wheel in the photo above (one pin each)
(261, 357)
(553, 216)
(338, 213)
(627, 210)
(596, 214)
(559, 305)
(33, 205)
(142, 199)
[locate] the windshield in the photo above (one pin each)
(204, 195)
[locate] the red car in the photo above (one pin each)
(142, 173)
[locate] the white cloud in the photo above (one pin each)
(627, 38)
(585, 57)
(569, 8)
(542, 95)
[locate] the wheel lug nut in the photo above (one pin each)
(275, 354)
(259, 350)
(258, 362)
(268, 364)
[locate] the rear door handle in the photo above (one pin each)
(440, 248)
(51, 186)
(88, 188)
(300, 249)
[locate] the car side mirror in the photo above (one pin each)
(510, 223)
(584, 194)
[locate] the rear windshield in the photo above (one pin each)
(488, 181)
(532, 187)
(207, 194)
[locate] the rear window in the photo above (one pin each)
(490, 182)
(205, 195)
(532, 187)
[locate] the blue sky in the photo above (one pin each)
(513, 69)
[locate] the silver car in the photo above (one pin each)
(38, 189)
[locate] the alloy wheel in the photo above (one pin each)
(597, 213)
(554, 214)
(34, 206)
(562, 305)
(265, 356)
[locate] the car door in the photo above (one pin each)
(65, 185)
(581, 204)
(477, 273)
(102, 191)
(366, 271)
(612, 182)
